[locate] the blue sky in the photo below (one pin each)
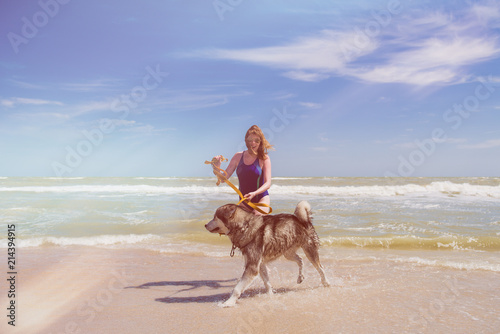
(154, 88)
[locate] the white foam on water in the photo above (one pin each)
(284, 178)
(436, 188)
(99, 240)
(64, 178)
(119, 189)
(473, 265)
(369, 213)
(442, 188)
(458, 243)
(166, 245)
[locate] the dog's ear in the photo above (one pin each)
(226, 212)
(240, 215)
(232, 211)
(244, 226)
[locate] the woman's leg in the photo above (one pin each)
(266, 200)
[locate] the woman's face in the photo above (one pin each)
(253, 142)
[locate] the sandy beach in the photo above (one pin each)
(100, 290)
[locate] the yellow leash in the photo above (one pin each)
(222, 176)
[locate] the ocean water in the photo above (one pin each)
(453, 222)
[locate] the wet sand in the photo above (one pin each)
(98, 290)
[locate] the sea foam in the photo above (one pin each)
(443, 188)
(99, 240)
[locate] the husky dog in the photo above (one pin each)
(262, 239)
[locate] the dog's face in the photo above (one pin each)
(220, 222)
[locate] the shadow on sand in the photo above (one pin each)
(192, 285)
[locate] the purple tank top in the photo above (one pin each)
(250, 178)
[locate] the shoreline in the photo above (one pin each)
(78, 289)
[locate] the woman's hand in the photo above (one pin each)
(217, 160)
(250, 195)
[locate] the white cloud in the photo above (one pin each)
(490, 79)
(310, 58)
(434, 48)
(403, 74)
(134, 129)
(323, 137)
(383, 99)
(7, 103)
(20, 100)
(93, 86)
(97, 85)
(91, 106)
(120, 122)
(306, 76)
(27, 85)
(195, 99)
(282, 96)
(140, 129)
(416, 144)
(487, 13)
(319, 52)
(383, 142)
(420, 48)
(434, 60)
(310, 105)
(405, 146)
(484, 145)
(450, 140)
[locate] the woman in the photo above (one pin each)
(253, 168)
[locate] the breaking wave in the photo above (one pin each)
(444, 188)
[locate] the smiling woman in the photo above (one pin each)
(253, 168)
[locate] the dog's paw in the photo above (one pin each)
(300, 279)
(326, 284)
(227, 304)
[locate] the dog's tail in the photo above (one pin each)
(303, 212)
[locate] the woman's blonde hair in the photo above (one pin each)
(264, 144)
